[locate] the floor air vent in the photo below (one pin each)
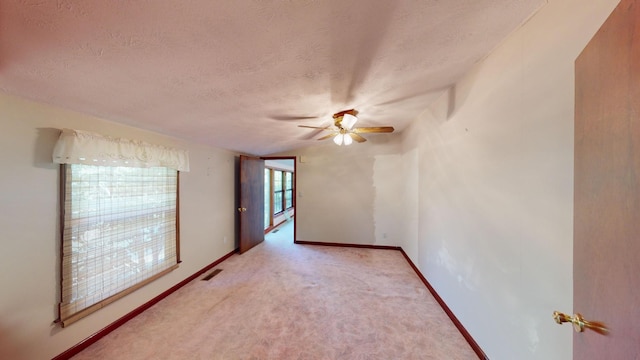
(212, 274)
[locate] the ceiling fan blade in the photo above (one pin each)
(357, 137)
(374, 129)
(315, 127)
(292, 118)
(328, 136)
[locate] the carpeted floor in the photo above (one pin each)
(286, 301)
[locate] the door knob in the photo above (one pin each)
(579, 323)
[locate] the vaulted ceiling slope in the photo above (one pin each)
(243, 74)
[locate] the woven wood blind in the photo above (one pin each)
(119, 233)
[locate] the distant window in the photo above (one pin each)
(277, 192)
(288, 190)
(267, 198)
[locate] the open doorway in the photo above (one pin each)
(280, 199)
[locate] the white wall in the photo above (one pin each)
(350, 194)
(495, 179)
(410, 193)
(280, 164)
(29, 222)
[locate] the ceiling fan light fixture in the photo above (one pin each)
(338, 139)
(348, 121)
(347, 139)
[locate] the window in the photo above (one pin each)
(282, 190)
(267, 198)
(278, 195)
(288, 190)
(277, 191)
(120, 226)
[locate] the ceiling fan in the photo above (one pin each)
(343, 130)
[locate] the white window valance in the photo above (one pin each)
(84, 147)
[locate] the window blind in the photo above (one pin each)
(119, 233)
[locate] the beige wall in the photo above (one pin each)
(29, 223)
(495, 155)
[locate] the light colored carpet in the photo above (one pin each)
(286, 301)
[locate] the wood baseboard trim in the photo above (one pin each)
(361, 246)
(474, 345)
(69, 353)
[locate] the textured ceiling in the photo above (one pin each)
(243, 74)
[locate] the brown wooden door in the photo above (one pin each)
(251, 202)
(607, 188)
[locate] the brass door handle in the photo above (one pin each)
(579, 323)
(241, 209)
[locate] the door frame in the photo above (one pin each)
(295, 188)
